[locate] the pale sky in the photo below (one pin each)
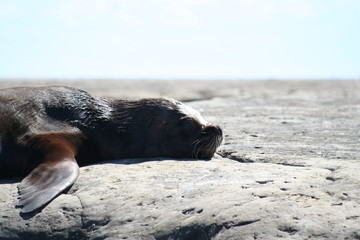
(192, 39)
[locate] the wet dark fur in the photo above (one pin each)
(97, 128)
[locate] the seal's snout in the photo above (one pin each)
(213, 129)
(210, 140)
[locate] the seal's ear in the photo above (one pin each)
(176, 102)
(58, 172)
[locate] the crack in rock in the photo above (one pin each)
(204, 98)
(201, 232)
(291, 164)
(229, 155)
(188, 211)
(264, 181)
(231, 224)
(82, 212)
(289, 229)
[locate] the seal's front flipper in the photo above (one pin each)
(45, 182)
(58, 172)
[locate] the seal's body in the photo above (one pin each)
(47, 132)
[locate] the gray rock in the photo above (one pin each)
(289, 168)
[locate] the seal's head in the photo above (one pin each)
(194, 136)
(164, 127)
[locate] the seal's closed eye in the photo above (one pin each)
(188, 127)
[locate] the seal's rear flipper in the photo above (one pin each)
(46, 182)
(49, 179)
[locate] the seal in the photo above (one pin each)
(47, 132)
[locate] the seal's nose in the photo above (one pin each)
(213, 129)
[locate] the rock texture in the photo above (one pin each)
(289, 168)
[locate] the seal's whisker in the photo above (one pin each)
(195, 148)
(205, 147)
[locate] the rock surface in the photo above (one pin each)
(289, 168)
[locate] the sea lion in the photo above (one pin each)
(47, 132)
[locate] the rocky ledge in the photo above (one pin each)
(289, 168)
